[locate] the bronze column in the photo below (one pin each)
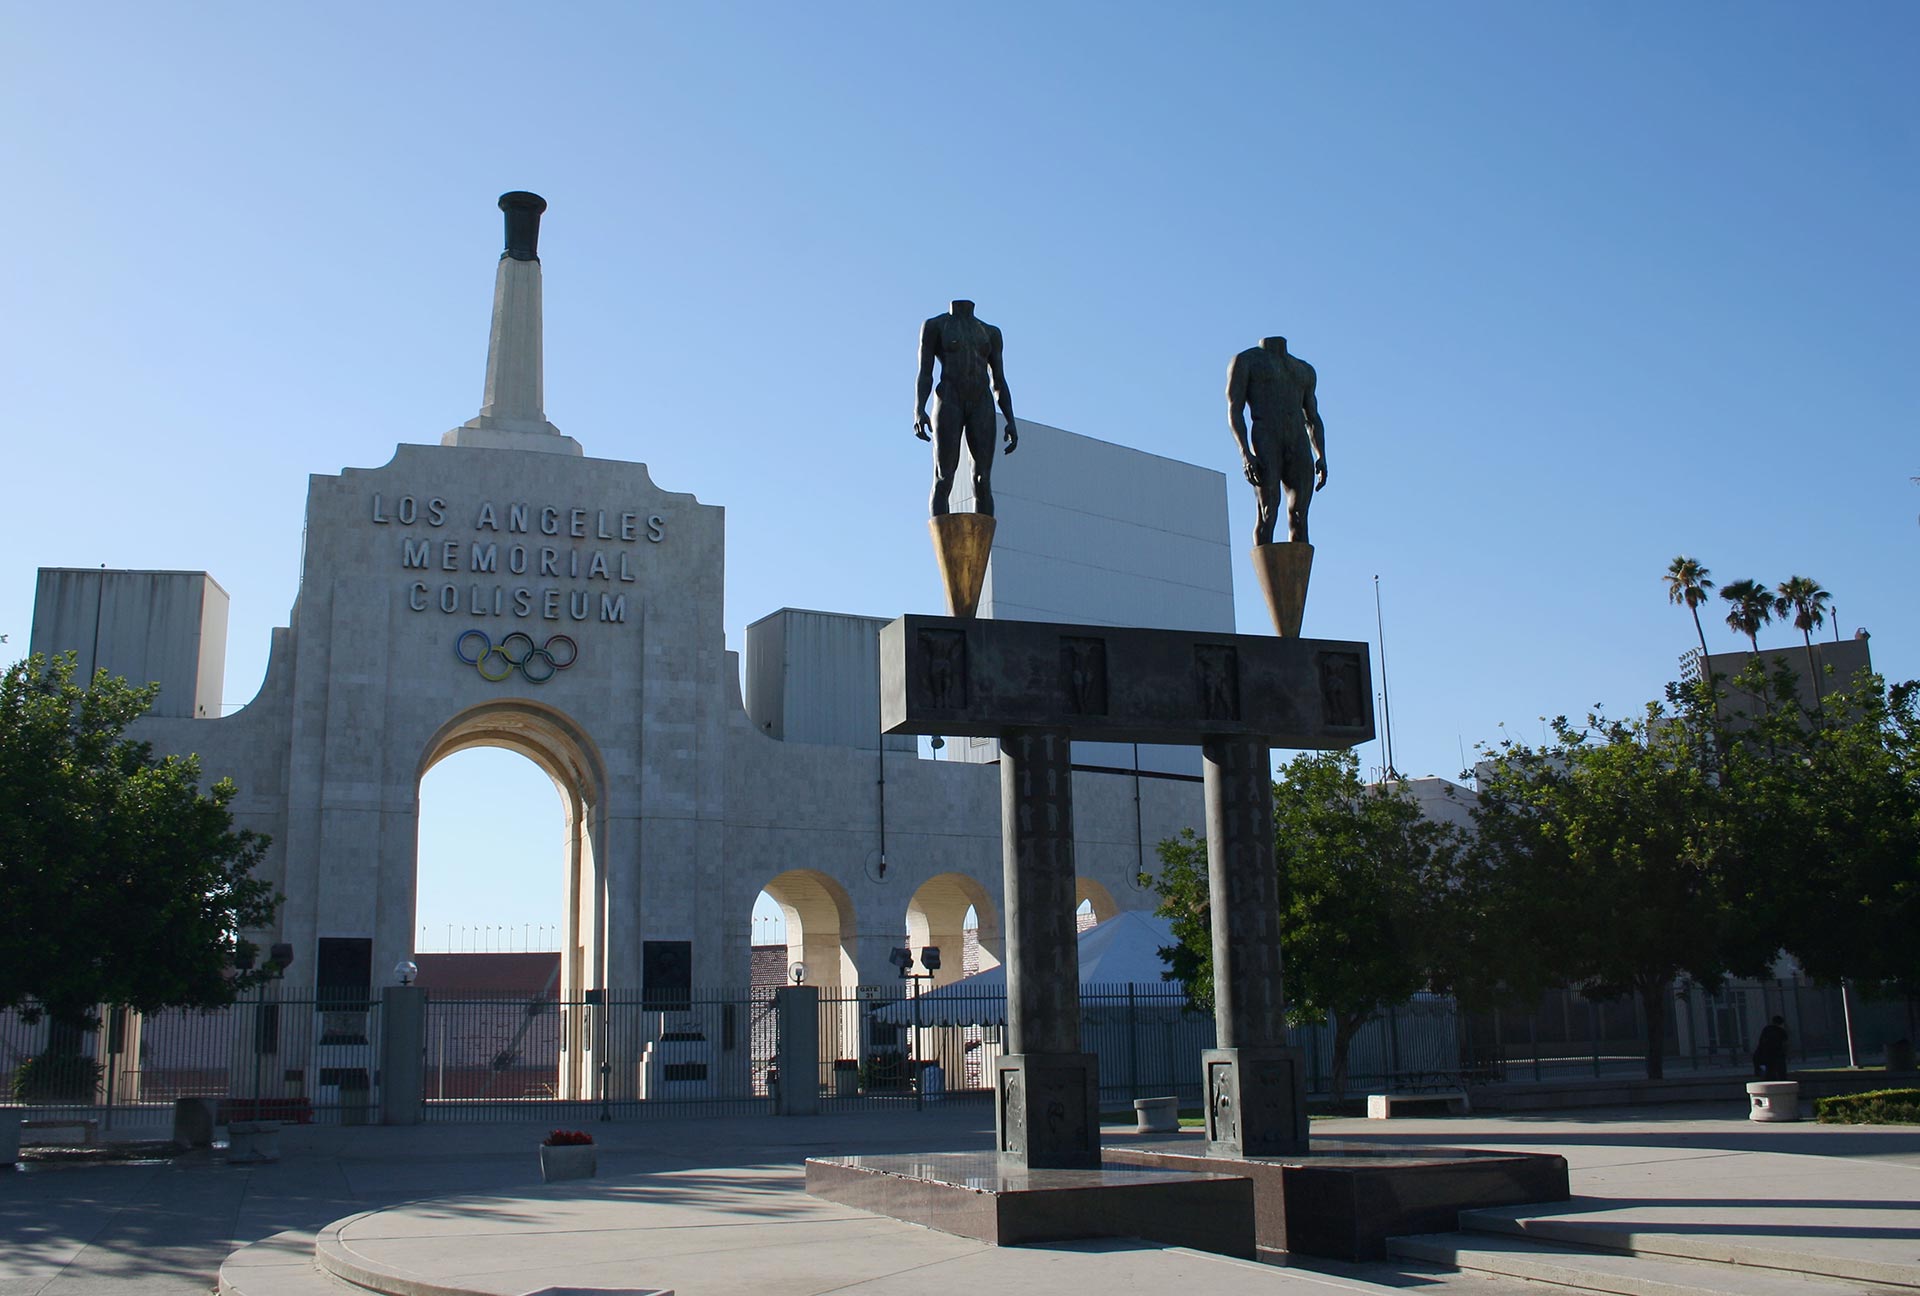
(1255, 1084)
(1047, 1108)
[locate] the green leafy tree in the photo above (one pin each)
(1602, 854)
(1828, 808)
(121, 882)
(1752, 609)
(1359, 869)
(1687, 583)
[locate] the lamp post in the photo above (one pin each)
(902, 958)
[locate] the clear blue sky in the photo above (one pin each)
(1587, 286)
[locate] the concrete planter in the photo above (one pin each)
(253, 1142)
(1774, 1100)
(573, 1162)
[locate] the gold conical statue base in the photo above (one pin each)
(961, 543)
(1283, 569)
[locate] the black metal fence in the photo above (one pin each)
(882, 1046)
(1566, 1036)
(611, 1055)
(294, 1054)
(283, 1052)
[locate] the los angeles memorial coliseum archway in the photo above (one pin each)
(501, 588)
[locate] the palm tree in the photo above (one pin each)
(1752, 608)
(1687, 583)
(1802, 596)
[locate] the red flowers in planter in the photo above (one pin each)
(569, 1138)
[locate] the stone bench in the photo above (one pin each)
(1380, 1106)
(1156, 1115)
(88, 1129)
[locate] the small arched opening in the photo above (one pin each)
(1094, 900)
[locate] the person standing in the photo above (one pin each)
(1770, 1051)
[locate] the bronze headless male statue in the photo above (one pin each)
(1285, 454)
(972, 381)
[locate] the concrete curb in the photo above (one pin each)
(336, 1257)
(1601, 1236)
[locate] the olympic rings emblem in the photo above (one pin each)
(536, 663)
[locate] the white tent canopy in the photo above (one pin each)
(1120, 952)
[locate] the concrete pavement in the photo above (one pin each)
(717, 1206)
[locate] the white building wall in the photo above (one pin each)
(814, 677)
(164, 627)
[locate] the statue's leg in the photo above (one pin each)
(1296, 480)
(1267, 495)
(982, 434)
(948, 423)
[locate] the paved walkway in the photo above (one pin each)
(716, 1206)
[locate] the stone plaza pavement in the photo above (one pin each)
(717, 1206)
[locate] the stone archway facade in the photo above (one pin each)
(501, 588)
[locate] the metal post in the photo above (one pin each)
(1593, 1030)
(1799, 1020)
(1133, 1042)
(259, 1018)
(112, 1050)
(1533, 1038)
(1846, 1018)
(913, 1050)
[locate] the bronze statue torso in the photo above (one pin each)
(964, 346)
(1276, 386)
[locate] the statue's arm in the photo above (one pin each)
(1237, 417)
(1316, 431)
(929, 345)
(1004, 398)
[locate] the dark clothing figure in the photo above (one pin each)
(1770, 1052)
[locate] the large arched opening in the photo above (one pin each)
(937, 915)
(568, 758)
(820, 931)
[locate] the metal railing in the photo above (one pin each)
(1566, 1036)
(604, 1056)
(281, 1052)
(291, 1053)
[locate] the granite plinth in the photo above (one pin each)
(980, 677)
(996, 1199)
(1256, 1100)
(1048, 1111)
(1344, 1201)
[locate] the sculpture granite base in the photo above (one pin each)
(1256, 1102)
(1048, 1109)
(995, 1199)
(1343, 1201)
